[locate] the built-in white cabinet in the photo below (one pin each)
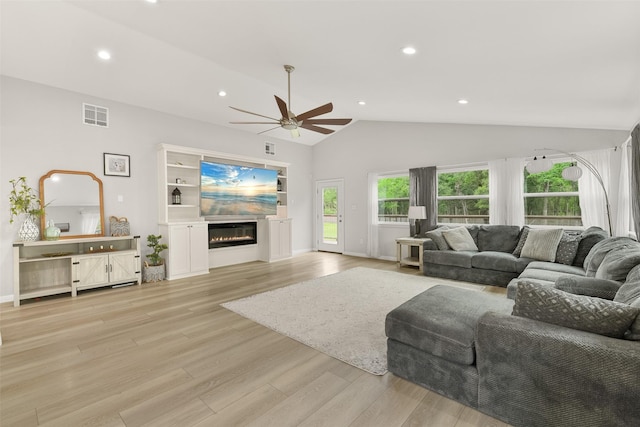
(277, 232)
(44, 268)
(188, 253)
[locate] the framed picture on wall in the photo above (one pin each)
(116, 165)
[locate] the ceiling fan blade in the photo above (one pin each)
(316, 128)
(255, 114)
(277, 127)
(254, 123)
(328, 121)
(324, 109)
(282, 106)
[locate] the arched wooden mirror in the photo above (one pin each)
(73, 202)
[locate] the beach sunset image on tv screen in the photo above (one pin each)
(237, 190)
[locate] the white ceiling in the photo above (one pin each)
(536, 63)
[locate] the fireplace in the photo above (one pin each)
(232, 234)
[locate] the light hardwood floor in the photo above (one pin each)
(168, 354)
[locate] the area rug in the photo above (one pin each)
(341, 315)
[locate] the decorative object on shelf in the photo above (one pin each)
(417, 213)
(119, 226)
(154, 270)
(178, 181)
(116, 165)
(572, 173)
(279, 185)
(176, 197)
(51, 232)
(24, 203)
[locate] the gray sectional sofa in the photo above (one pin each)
(497, 258)
(564, 352)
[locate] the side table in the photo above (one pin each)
(409, 242)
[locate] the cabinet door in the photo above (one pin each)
(274, 239)
(285, 238)
(92, 270)
(179, 245)
(122, 267)
(199, 247)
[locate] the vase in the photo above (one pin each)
(29, 230)
(51, 232)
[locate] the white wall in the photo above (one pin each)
(42, 129)
(366, 147)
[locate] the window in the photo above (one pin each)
(393, 198)
(549, 199)
(463, 196)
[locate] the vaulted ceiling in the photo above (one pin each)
(536, 63)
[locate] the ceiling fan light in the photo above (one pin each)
(572, 173)
(290, 126)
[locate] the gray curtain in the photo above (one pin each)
(423, 191)
(635, 178)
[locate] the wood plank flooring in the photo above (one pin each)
(167, 354)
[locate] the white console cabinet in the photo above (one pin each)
(278, 233)
(188, 253)
(45, 268)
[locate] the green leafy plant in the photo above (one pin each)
(153, 242)
(22, 199)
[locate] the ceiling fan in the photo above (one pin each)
(292, 122)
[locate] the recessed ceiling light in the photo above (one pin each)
(152, 1)
(409, 50)
(104, 54)
(222, 93)
(362, 103)
(463, 101)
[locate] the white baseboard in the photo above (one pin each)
(358, 254)
(6, 298)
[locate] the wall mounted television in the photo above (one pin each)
(227, 189)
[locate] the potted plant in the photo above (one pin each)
(154, 271)
(23, 202)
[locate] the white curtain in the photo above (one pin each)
(592, 198)
(90, 221)
(623, 224)
(506, 191)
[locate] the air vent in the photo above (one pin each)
(270, 148)
(95, 115)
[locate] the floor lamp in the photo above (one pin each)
(572, 173)
(417, 213)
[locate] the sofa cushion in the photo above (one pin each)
(567, 248)
(523, 238)
(629, 292)
(590, 286)
(499, 238)
(559, 268)
(454, 258)
(617, 263)
(436, 236)
(542, 244)
(459, 239)
(588, 238)
(442, 321)
(579, 312)
(602, 248)
(499, 261)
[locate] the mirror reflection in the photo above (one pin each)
(73, 202)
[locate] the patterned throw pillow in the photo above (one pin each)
(567, 248)
(523, 238)
(583, 313)
(542, 244)
(460, 239)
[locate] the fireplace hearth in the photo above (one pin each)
(227, 234)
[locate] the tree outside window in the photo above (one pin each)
(393, 198)
(463, 197)
(549, 199)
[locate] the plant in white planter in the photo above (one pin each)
(24, 203)
(154, 270)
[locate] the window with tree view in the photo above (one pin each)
(463, 197)
(549, 199)
(393, 198)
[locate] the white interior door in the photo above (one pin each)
(329, 216)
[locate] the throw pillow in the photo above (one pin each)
(436, 236)
(602, 248)
(542, 244)
(523, 238)
(567, 248)
(617, 263)
(460, 239)
(588, 238)
(629, 293)
(583, 313)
